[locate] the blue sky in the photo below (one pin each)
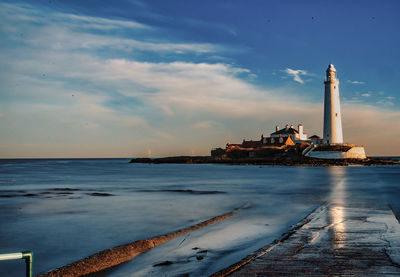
(155, 78)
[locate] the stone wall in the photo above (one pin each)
(356, 152)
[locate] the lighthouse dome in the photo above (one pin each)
(331, 68)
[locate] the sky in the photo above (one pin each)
(135, 78)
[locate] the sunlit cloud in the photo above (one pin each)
(296, 74)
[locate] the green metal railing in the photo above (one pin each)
(27, 255)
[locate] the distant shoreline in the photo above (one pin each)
(300, 161)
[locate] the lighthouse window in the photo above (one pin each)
(336, 114)
(334, 87)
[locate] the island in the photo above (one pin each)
(290, 145)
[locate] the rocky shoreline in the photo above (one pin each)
(292, 161)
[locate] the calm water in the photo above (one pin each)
(65, 210)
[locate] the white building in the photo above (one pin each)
(289, 131)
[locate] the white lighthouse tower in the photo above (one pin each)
(332, 146)
(332, 116)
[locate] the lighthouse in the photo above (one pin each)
(332, 146)
(332, 116)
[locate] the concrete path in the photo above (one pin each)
(335, 240)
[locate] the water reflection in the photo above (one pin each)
(337, 205)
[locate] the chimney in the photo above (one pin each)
(287, 127)
(301, 130)
(277, 128)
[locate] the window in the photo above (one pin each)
(336, 114)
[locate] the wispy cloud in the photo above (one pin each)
(92, 22)
(385, 102)
(65, 31)
(29, 14)
(355, 82)
(296, 74)
(367, 94)
(138, 3)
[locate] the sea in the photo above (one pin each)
(67, 209)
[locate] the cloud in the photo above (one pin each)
(26, 13)
(368, 94)
(355, 82)
(76, 93)
(171, 97)
(138, 3)
(252, 76)
(207, 124)
(91, 22)
(296, 74)
(192, 87)
(169, 107)
(385, 102)
(57, 31)
(60, 39)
